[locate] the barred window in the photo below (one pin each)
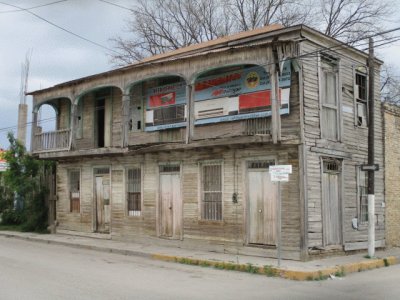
(74, 191)
(134, 194)
(211, 195)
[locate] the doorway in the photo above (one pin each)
(262, 204)
(170, 202)
(331, 208)
(102, 200)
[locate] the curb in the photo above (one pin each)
(270, 271)
(267, 270)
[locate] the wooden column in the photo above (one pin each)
(190, 92)
(34, 128)
(72, 137)
(276, 103)
(126, 100)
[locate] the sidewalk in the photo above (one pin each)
(312, 270)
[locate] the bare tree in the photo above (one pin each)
(390, 87)
(350, 20)
(158, 26)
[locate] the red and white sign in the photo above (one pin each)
(3, 163)
(162, 99)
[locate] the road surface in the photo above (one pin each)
(31, 270)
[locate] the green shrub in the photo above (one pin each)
(12, 217)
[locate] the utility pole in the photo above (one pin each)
(371, 152)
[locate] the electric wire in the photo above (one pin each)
(62, 28)
(302, 56)
(33, 7)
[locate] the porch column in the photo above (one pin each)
(190, 113)
(276, 103)
(126, 100)
(34, 129)
(72, 137)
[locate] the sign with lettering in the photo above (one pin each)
(280, 172)
(239, 94)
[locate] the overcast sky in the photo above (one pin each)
(58, 56)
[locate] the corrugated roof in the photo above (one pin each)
(222, 40)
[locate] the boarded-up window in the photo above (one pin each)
(360, 91)
(74, 190)
(211, 195)
(329, 100)
(362, 195)
(134, 194)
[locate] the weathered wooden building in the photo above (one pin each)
(176, 148)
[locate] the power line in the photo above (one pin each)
(117, 5)
(27, 124)
(61, 28)
(302, 56)
(33, 7)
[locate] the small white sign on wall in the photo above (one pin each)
(280, 172)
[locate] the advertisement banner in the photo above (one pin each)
(165, 95)
(238, 82)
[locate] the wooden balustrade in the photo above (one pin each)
(51, 141)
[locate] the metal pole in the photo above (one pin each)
(279, 224)
(371, 182)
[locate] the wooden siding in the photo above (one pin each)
(231, 230)
(352, 149)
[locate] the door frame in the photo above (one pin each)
(178, 214)
(340, 198)
(246, 202)
(94, 200)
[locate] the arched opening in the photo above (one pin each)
(158, 103)
(52, 125)
(48, 118)
(94, 116)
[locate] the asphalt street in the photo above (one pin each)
(31, 270)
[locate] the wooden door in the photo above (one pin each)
(331, 211)
(170, 203)
(262, 208)
(102, 204)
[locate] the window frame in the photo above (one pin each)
(140, 168)
(360, 71)
(362, 221)
(71, 206)
(330, 65)
(201, 215)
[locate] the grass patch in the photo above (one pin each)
(270, 271)
(367, 256)
(386, 262)
(340, 273)
(251, 269)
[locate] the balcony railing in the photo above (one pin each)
(51, 141)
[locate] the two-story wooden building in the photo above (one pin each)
(177, 148)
